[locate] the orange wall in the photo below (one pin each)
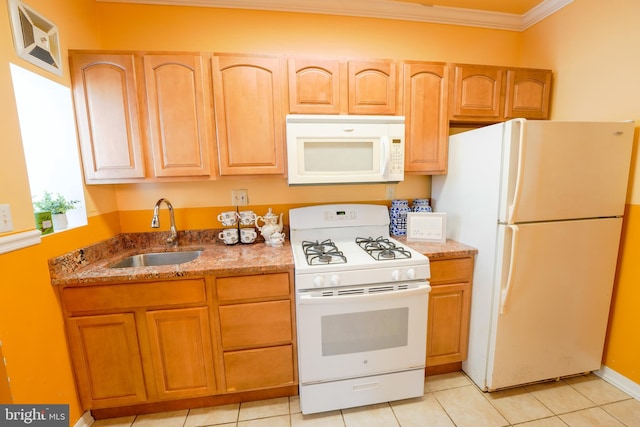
(593, 52)
(31, 329)
(577, 42)
(31, 326)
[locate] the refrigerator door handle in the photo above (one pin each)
(515, 199)
(504, 296)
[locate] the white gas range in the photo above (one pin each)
(361, 303)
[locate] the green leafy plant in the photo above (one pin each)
(56, 204)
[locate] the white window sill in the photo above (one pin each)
(13, 242)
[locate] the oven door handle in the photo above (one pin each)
(423, 288)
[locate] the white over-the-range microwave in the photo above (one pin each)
(344, 149)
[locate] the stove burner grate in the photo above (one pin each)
(382, 249)
(325, 252)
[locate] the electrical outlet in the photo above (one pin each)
(239, 197)
(6, 224)
(390, 192)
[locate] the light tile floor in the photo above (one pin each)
(450, 400)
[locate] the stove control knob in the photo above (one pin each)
(395, 275)
(411, 273)
(318, 281)
(335, 280)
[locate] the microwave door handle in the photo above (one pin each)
(385, 158)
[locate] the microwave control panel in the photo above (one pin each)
(397, 156)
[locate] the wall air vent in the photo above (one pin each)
(35, 38)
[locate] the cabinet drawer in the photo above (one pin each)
(124, 296)
(259, 368)
(257, 324)
(451, 270)
(252, 287)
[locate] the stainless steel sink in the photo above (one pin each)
(157, 258)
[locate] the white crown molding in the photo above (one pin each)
(541, 11)
(387, 9)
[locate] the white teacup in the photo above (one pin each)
(248, 235)
(247, 217)
(228, 218)
(276, 240)
(229, 236)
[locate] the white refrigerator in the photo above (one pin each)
(542, 201)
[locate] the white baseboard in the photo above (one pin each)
(85, 421)
(623, 383)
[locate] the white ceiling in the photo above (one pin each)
(513, 15)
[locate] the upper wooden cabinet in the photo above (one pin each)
(249, 114)
(487, 94)
(332, 86)
(179, 104)
(527, 94)
(105, 92)
(476, 92)
(425, 90)
(372, 87)
(316, 86)
(143, 116)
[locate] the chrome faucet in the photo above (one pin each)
(155, 222)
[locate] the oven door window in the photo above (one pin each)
(366, 331)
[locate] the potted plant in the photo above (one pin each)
(58, 205)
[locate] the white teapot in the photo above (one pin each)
(271, 225)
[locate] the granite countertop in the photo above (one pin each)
(450, 249)
(90, 265)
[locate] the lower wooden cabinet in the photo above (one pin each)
(449, 310)
(157, 347)
(159, 342)
(180, 346)
(257, 331)
(259, 368)
(107, 361)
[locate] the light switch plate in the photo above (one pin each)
(6, 224)
(239, 197)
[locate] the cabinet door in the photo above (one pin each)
(527, 94)
(316, 86)
(426, 116)
(181, 351)
(249, 114)
(107, 360)
(372, 87)
(178, 100)
(448, 323)
(108, 118)
(476, 93)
